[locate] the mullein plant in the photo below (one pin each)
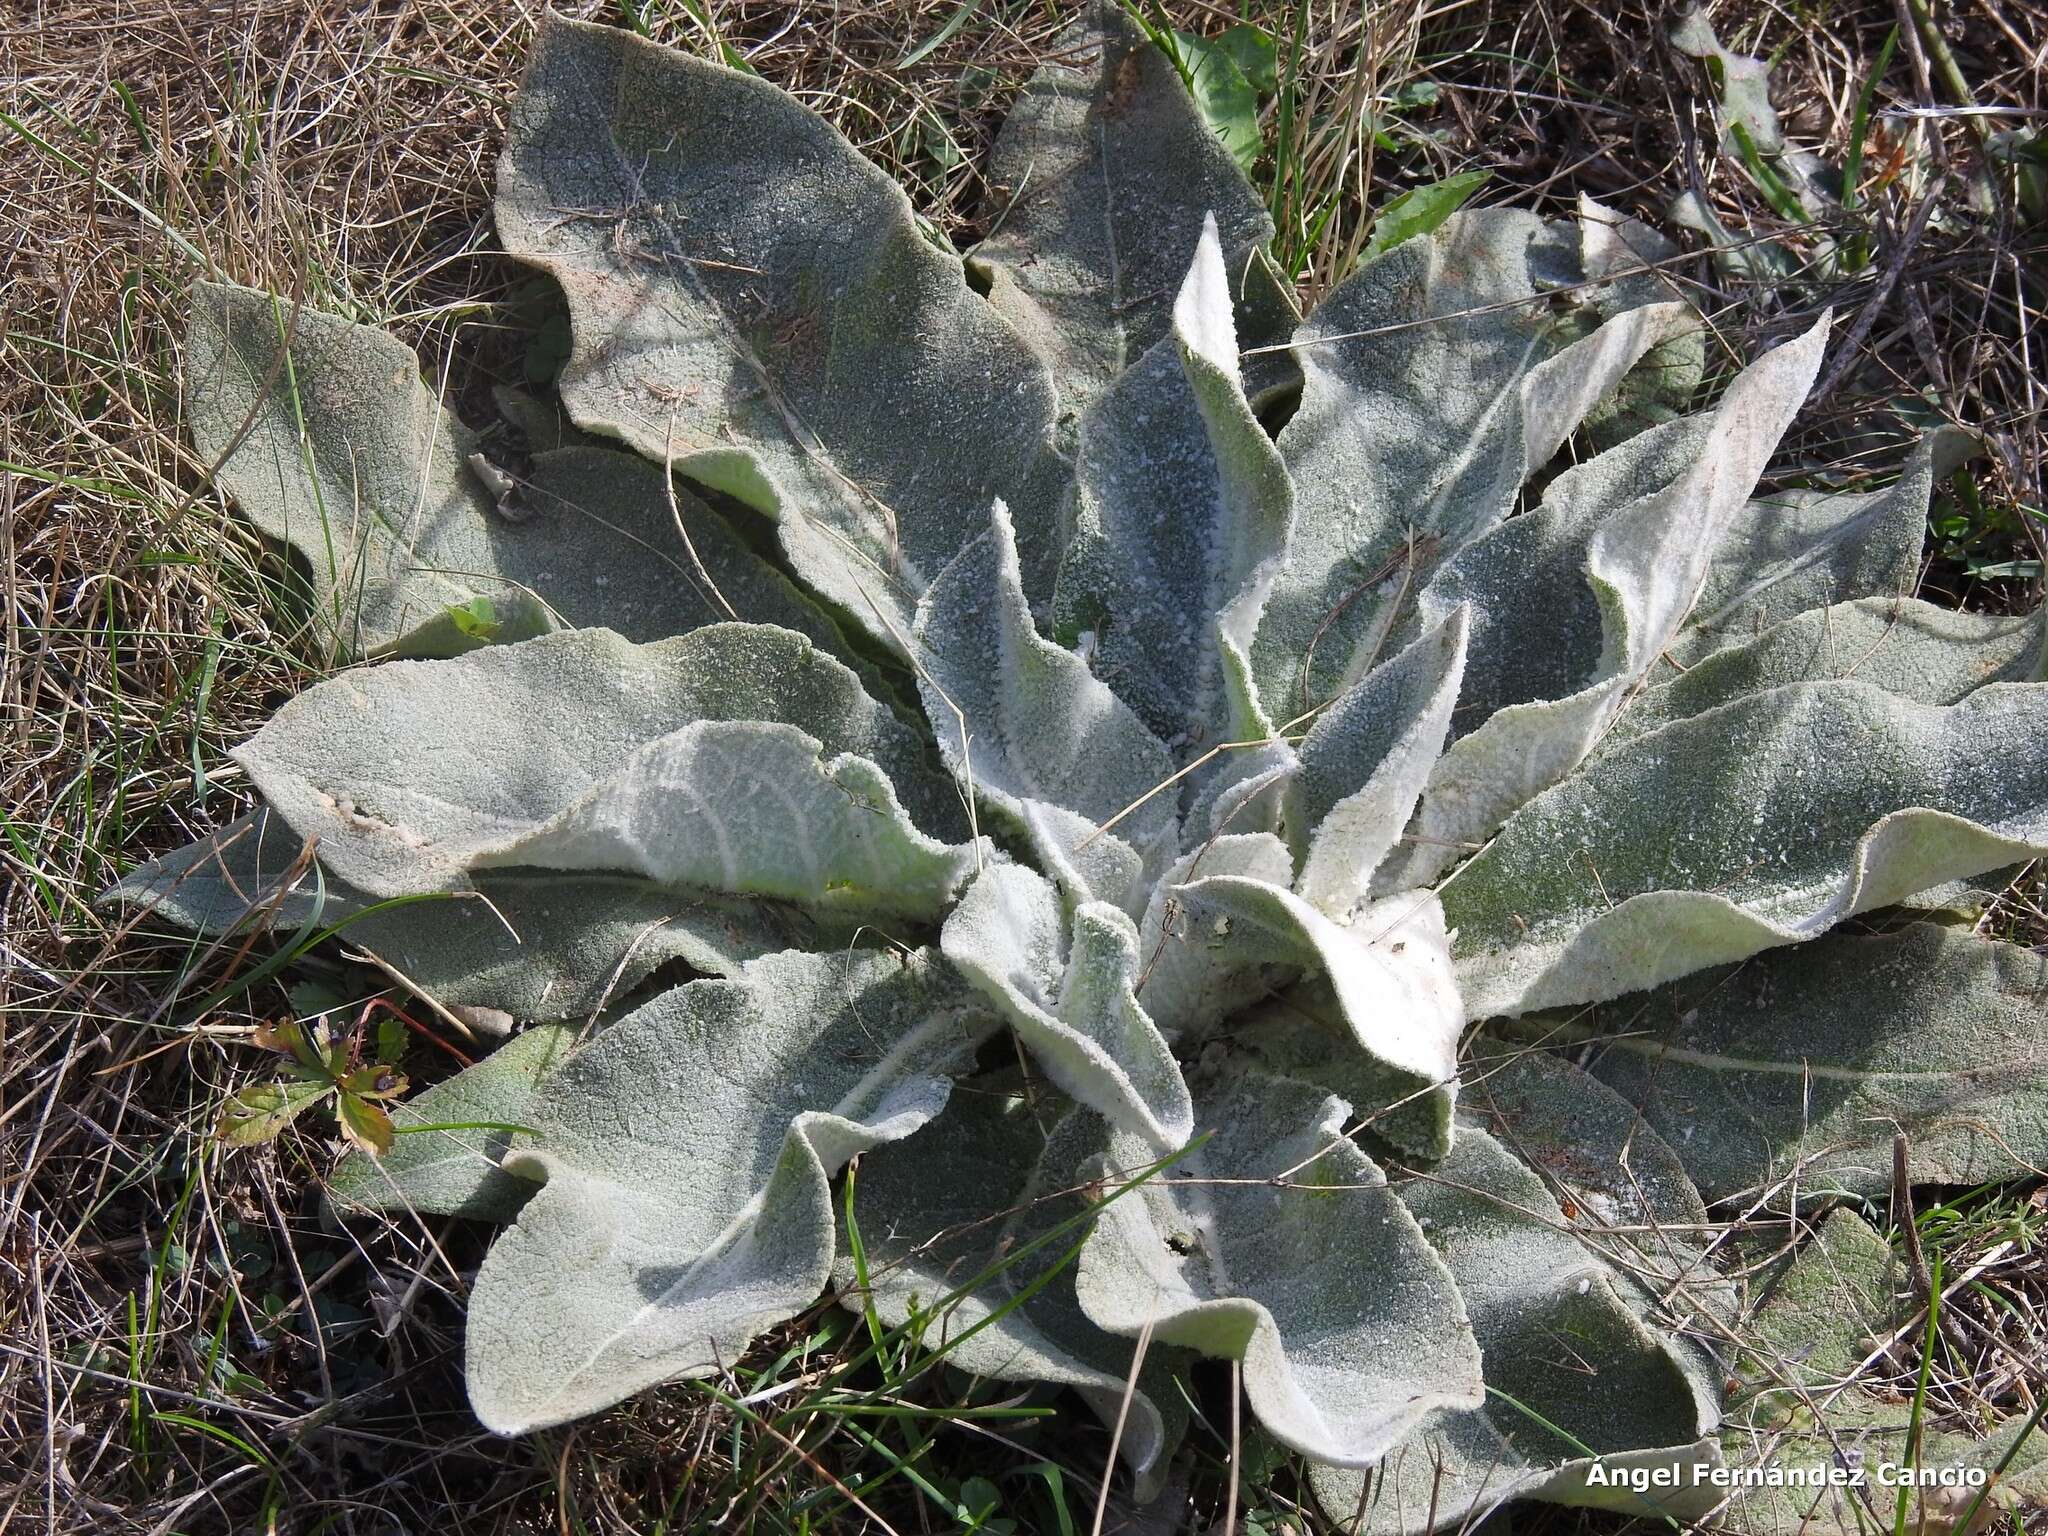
(1372, 820)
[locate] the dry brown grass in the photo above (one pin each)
(344, 152)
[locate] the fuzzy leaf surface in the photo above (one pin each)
(1035, 732)
(1908, 648)
(1437, 380)
(1620, 1391)
(538, 946)
(402, 771)
(1385, 1006)
(1109, 170)
(1183, 514)
(1796, 550)
(752, 300)
(685, 1156)
(1812, 1054)
(459, 1171)
(1348, 1326)
(333, 446)
(966, 1198)
(1632, 872)
(1646, 562)
(1076, 1011)
(1364, 764)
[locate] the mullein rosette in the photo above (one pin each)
(1067, 642)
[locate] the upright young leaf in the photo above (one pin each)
(1183, 515)
(1437, 380)
(1077, 1012)
(753, 301)
(968, 1199)
(1024, 723)
(1632, 872)
(1806, 1059)
(1363, 765)
(684, 1156)
(1784, 554)
(1646, 562)
(1277, 1243)
(1104, 170)
(400, 770)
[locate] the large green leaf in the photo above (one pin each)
(753, 301)
(448, 1156)
(536, 945)
(333, 446)
(1277, 1242)
(1786, 553)
(1646, 561)
(968, 1198)
(1069, 990)
(1438, 378)
(1802, 1061)
(670, 761)
(1104, 171)
(1573, 1373)
(1900, 644)
(1034, 733)
(684, 1157)
(1182, 518)
(1634, 871)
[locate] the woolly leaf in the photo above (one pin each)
(1077, 1013)
(399, 771)
(458, 1171)
(967, 1198)
(1805, 1060)
(1388, 1006)
(1646, 562)
(334, 447)
(1183, 513)
(1196, 970)
(1437, 380)
(1634, 872)
(1782, 555)
(1300, 1262)
(537, 946)
(1364, 763)
(1033, 727)
(684, 1157)
(1571, 1368)
(753, 301)
(1906, 647)
(1107, 170)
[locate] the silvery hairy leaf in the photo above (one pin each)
(684, 1157)
(401, 771)
(752, 302)
(1276, 1242)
